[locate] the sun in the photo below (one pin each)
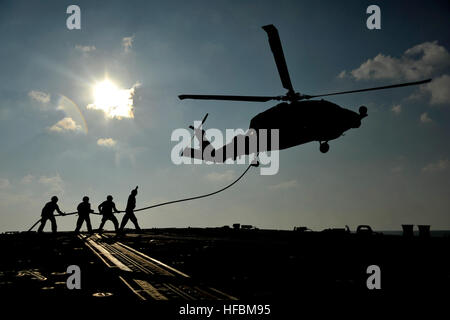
(104, 93)
(113, 101)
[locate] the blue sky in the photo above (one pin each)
(395, 169)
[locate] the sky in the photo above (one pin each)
(61, 135)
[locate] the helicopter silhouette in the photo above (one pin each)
(298, 119)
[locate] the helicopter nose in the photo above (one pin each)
(363, 111)
(356, 123)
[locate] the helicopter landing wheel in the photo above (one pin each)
(324, 147)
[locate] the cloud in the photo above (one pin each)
(226, 176)
(46, 184)
(342, 75)
(4, 183)
(440, 165)
(54, 184)
(397, 169)
(424, 118)
(397, 109)
(106, 142)
(71, 110)
(27, 179)
(284, 185)
(439, 90)
(418, 62)
(127, 43)
(39, 96)
(127, 153)
(85, 49)
(66, 124)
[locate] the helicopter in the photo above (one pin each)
(298, 119)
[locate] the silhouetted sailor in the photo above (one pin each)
(106, 209)
(129, 211)
(84, 209)
(47, 214)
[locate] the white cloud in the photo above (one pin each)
(284, 185)
(71, 110)
(106, 142)
(66, 124)
(127, 153)
(4, 183)
(39, 96)
(127, 43)
(54, 184)
(439, 90)
(440, 165)
(342, 75)
(418, 62)
(397, 169)
(424, 118)
(226, 176)
(27, 179)
(47, 184)
(397, 109)
(85, 49)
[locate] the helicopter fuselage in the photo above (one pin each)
(300, 122)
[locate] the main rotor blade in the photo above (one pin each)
(370, 89)
(229, 98)
(277, 51)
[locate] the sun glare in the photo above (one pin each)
(114, 102)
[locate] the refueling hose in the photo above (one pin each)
(168, 202)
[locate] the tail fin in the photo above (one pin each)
(206, 153)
